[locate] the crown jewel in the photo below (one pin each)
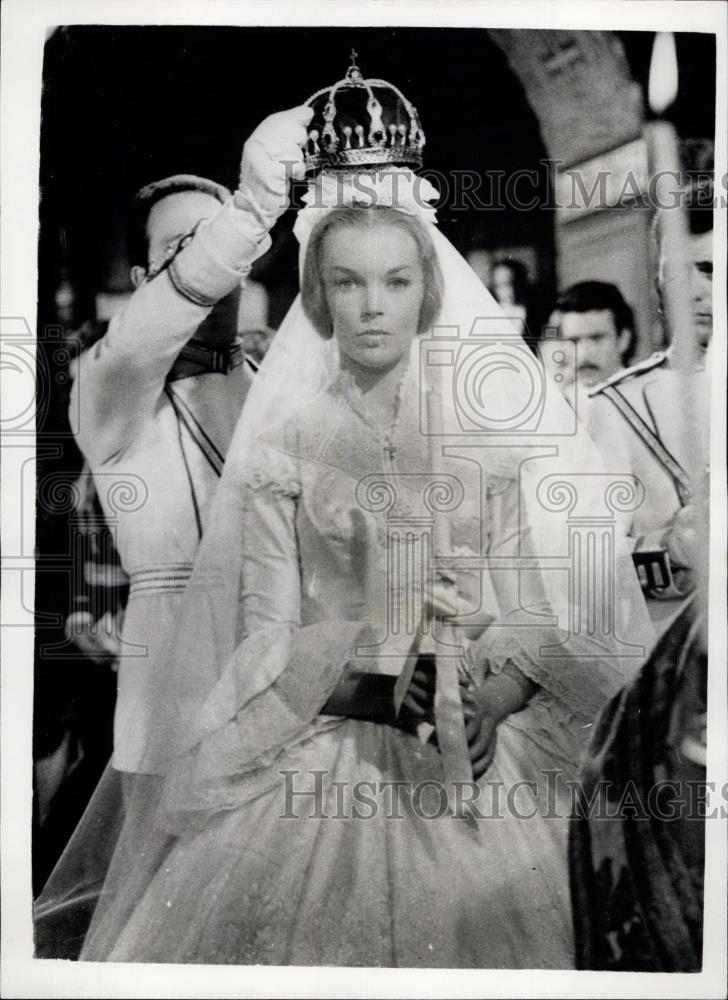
(362, 123)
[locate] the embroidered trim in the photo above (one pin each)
(160, 578)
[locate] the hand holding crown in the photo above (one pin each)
(272, 156)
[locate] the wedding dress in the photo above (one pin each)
(291, 848)
(287, 836)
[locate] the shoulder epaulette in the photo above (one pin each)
(654, 361)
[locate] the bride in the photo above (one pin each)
(307, 817)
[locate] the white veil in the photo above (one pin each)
(495, 394)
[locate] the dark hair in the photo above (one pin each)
(699, 205)
(147, 197)
(586, 296)
(313, 296)
(697, 156)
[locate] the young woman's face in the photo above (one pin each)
(374, 285)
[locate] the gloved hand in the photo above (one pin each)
(272, 157)
(680, 538)
(224, 248)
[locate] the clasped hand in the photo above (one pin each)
(445, 602)
(480, 724)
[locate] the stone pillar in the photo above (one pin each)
(591, 114)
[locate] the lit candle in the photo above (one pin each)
(441, 532)
(449, 721)
(665, 171)
(366, 544)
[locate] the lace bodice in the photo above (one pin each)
(333, 502)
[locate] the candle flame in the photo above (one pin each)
(663, 72)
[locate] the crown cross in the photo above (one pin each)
(353, 73)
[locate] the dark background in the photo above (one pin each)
(122, 106)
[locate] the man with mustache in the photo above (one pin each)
(596, 326)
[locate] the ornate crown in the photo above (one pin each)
(362, 123)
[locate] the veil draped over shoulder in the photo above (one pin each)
(494, 395)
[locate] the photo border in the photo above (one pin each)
(23, 36)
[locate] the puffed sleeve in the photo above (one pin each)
(580, 672)
(270, 575)
(281, 674)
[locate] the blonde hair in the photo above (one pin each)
(313, 296)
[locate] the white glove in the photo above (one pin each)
(681, 538)
(272, 157)
(224, 247)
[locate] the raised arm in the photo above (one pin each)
(119, 381)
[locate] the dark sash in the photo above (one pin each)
(198, 435)
(655, 444)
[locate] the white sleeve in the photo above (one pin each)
(120, 379)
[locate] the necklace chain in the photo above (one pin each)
(389, 446)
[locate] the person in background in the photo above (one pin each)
(597, 330)
(508, 281)
(256, 342)
(253, 330)
(481, 262)
(510, 287)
